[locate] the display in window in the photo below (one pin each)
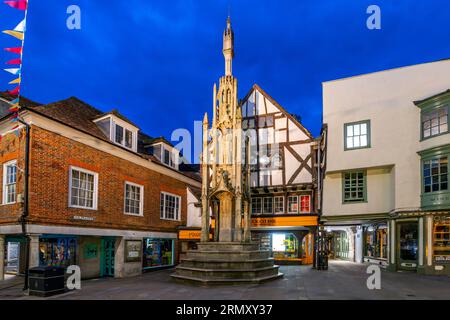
(58, 252)
(442, 240)
(158, 253)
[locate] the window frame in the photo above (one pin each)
(300, 203)
(274, 205)
(4, 189)
(288, 207)
(436, 157)
(141, 199)
(364, 200)
(261, 206)
(369, 136)
(264, 205)
(162, 215)
(95, 191)
(433, 108)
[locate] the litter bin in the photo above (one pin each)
(46, 281)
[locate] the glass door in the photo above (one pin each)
(108, 255)
(408, 245)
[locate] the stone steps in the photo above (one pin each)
(230, 281)
(228, 255)
(221, 264)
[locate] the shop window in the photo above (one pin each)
(435, 174)
(441, 241)
(83, 188)
(357, 135)
(256, 205)
(285, 246)
(134, 202)
(9, 182)
(278, 204)
(434, 122)
(354, 187)
(158, 253)
(268, 205)
(293, 204)
(376, 241)
(305, 204)
(59, 252)
(170, 206)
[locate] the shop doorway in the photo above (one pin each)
(108, 256)
(12, 262)
(407, 239)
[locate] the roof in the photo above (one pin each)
(272, 100)
(4, 107)
(157, 140)
(385, 70)
(116, 113)
(197, 192)
(436, 96)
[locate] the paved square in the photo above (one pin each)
(343, 280)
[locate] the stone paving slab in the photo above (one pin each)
(343, 280)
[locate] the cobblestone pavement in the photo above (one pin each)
(343, 280)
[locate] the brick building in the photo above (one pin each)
(102, 194)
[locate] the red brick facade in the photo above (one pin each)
(51, 157)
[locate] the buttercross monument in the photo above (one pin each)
(229, 256)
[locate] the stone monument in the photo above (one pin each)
(229, 257)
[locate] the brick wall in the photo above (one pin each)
(51, 157)
(10, 150)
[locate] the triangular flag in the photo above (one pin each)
(15, 101)
(15, 81)
(16, 131)
(14, 109)
(17, 50)
(15, 91)
(15, 34)
(20, 27)
(15, 61)
(19, 4)
(14, 71)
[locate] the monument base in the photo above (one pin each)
(226, 263)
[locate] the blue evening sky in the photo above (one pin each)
(157, 60)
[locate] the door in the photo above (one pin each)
(407, 239)
(107, 261)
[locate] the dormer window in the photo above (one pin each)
(119, 131)
(168, 155)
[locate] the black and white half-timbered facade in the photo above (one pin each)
(283, 178)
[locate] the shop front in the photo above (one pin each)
(158, 253)
(375, 242)
(290, 239)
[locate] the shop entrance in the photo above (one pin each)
(108, 255)
(407, 239)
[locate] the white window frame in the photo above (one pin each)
(115, 121)
(95, 195)
(300, 203)
(141, 199)
(162, 215)
(288, 207)
(5, 195)
(261, 206)
(274, 206)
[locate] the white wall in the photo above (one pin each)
(386, 98)
(194, 214)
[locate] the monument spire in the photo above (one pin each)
(228, 48)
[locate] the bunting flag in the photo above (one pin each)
(14, 71)
(17, 50)
(18, 4)
(15, 34)
(19, 33)
(15, 61)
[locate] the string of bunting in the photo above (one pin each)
(16, 63)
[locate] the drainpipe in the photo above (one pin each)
(25, 212)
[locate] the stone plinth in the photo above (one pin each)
(219, 263)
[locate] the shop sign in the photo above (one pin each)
(83, 218)
(90, 250)
(294, 221)
(189, 234)
(133, 250)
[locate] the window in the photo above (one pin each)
(170, 207)
(357, 135)
(128, 138)
(268, 205)
(123, 136)
(278, 204)
(256, 205)
(293, 204)
(119, 134)
(354, 187)
(9, 182)
(434, 122)
(435, 174)
(83, 188)
(134, 203)
(305, 205)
